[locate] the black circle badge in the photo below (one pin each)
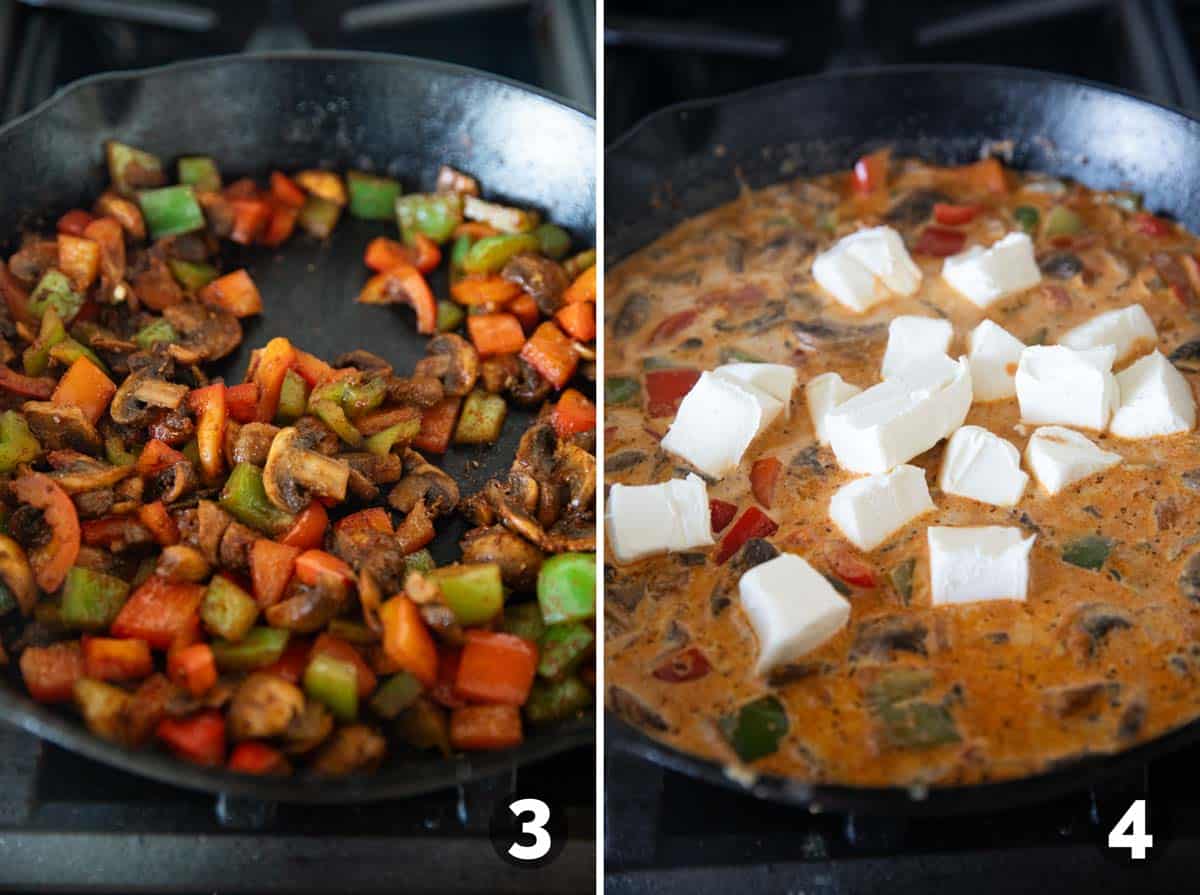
(528, 831)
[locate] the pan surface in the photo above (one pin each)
(289, 111)
(690, 157)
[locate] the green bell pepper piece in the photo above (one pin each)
(735, 355)
(1088, 552)
(458, 253)
(419, 561)
(563, 647)
(621, 391)
(227, 611)
(114, 451)
(566, 588)
(449, 316)
(171, 210)
(553, 241)
(372, 198)
(1061, 221)
(36, 358)
(318, 217)
(491, 253)
(91, 600)
(17, 444)
(156, 331)
(130, 168)
(245, 499)
(901, 576)
(191, 275)
(54, 291)
(433, 214)
(382, 442)
(577, 264)
(556, 700)
(523, 620)
(199, 171)
(334, 684)
(472, 590)
(258, 649)
(1026, 217)
(333, 416)
(293, 398)
(481, 419)
(754, 730)
(907, 722)
(395, 695)
(68, 351)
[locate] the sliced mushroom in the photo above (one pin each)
(181, 563)
(361, 488)
(174, 483)
(420, 391)
(441, 620)
(577, 470)
(211, 522)
(316, 436)
(308, 609)
(453, 360)
(518, 559)
(424, 480)
(361, 359)
(541, 277)
(379, 470)
(62, 427)
(234, 551)
(308, 730)
(265, 705)
(354, 748)
(17, 574)
(208, 333)
(879, 638)
(294, 473)
(529, 388)
(252, 443)
(1095, 621)
(497, 374)
(77, 473)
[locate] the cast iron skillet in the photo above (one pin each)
(291, 111)
(691, 157)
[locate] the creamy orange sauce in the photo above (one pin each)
(1025, 684)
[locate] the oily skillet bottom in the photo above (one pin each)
(694, 156)
(291, 111)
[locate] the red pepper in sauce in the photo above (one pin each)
(722, 513)
(685, 665)
(753, 523)
(848, 567)
(870, 171)
(1151, 225)
(764, 475)
(940, 241)
(666, 388)
(954, 215)
(673, 325)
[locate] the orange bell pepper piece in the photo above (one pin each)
(157, 456)
(241, 402)
(52, 560)
(314, 565)
(403, 284)
(495, 333)
(308, 531)
(583, 288)
(312, 369)
(406, 640)
(110, 659)
(573, 413)
(74, 222)
(235, 292)
(479, 727)
(285, 191)
(871, 171)
(273, 363)
(578, 320)
(525, 309)
(384, 254)
(437, 426)
(199, 739)
(110, 236)
(480, 289)
(86, 387)
(475, 230)
(496, 667)
(986, 174)
(249, 219)
(550, 353)
(208, 404)
(79, 259)
(159, 612)
(194, 668)
(50, 672)
(159, 523)
(271, 567)
(280, 225)
(256, 758)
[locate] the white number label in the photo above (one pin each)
(1130, 832)
(535, 828)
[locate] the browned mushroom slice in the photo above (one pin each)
(62, 427)
(211, 522)
(442, 622)
(423, 480)
(234, 551)
(174, 483)
(33, 259)
(208, 333)
(364, 360)
(518, 559)
(17, 575)
(252, 443)
(361, 488)
(308, 609)
(570, 534)
(353, 749)
(265, 705)
(76, 473)
(154, 285)
(141, 393)
(576, 468)
(541, 277)
(294, 473)
(453, 360)
(498, 374)
(420, 391)
(379, 470)
(529, 388)
(94, 504)
(308, 730)
(182, 563)
(536, 451)
(316, 436)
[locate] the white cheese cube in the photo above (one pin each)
(984, 276)
(1061, 457)
(716, 422)
(792, 608)
(1056, 384)
(872, 509)
(988, 562)
(1130, 330)
(993, 353)
(866, 268)
(648, 519)
(982, 466)
(912, 338)
(777, 380)
(1155, 400)
(892, 422)
(824, 393)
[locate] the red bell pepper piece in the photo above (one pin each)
(753, 523)
(552, 354)
(764, 475)
(374, 519)
(285, 191)
(722, 513)
(241, 402)
(444, 692)
(52, 560)
(871, 170)
(496, 667)
(940, 242)
(194, 668)
(573, 413)
(673, 326)
(1151, 225)
(159, 612)
(407, 641)
(74, 222)
(114, 533)
(403, 284)
(686, 665)
(155, 457)
(312, 566)
(50, 672)
(112, 659)
(256, 758)
(271, 567)
(848, 567)
(437, 426)
(199, 739)
(476, 727)
(308, 531)
(312, 369)
(954, 215)
(986, 174)
(249, 218)
(280, 225)
(666, 388)
(39, 387)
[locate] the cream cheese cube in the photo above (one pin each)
(984, 276)
(872, 509)
(911, 338)
(1061, 457)
(716, 422)
(867, 267)
(982, 466)
(646, 519)
(993, 353)
(1130, 330)
(792, 608)
(987, 562)
(1156, 400)
(1060, 385)
(823, 393)
(777, 380)
(894, 421)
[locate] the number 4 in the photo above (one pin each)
(1130, 832)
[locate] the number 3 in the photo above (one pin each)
(535, 828)
(1137, 840)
